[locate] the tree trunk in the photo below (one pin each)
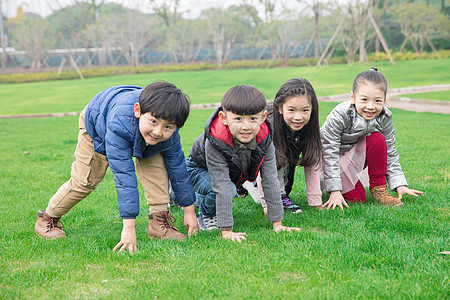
(414, 44)
(316, 33)
(218, 45)
(362, 46)
(274, 55)
(136, 58)
(403, 44)
(421, 44)
(87, 61)
(377, 44)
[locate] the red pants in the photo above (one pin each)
(376, 162)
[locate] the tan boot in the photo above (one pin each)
(161, 226)
(48, 227)
(380, 194)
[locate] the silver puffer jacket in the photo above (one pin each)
(343, 129)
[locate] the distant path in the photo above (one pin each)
(418, 105)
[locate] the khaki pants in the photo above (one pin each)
(89, 169)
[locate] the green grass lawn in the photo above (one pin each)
(209, 86)
(440, 95)
(368, 251)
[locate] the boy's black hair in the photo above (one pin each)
(243, 100)
(371, 77)
(290, 144)
(165, 101)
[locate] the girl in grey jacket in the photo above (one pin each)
(359, 134)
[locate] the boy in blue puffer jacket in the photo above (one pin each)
(118, 124)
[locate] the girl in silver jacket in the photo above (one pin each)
(359, 134)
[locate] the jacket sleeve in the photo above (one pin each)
(313, 176)
(178, 175)
(221, 185)
(331, 132)
(394, 172)
(119, 154)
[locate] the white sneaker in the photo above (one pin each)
(206, 223)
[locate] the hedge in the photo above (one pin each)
(238, 64)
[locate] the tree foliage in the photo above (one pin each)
(31, 35)
(420, 23)
(112, 34)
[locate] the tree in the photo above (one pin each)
(31, 36)
(354, 34)
(138, 32)
(420, 23)
(101, 36)
(223, 28)
(287, 28)
(168, 11)
(189, 39)
(106, 34)
(379, 9)
(317, 7)
(77, 17)
(268, 27)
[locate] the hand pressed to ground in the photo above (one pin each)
(234, 236)
(128, 237)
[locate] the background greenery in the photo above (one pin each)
(235, 64)
(209, 86)
(99, 33)
(441, 95)
(366, 251)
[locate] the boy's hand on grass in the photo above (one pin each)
(128, 237)
(278, 227)
(190, 220)
(336, 199)
(401, 190)
(234, 236)
(319, 207)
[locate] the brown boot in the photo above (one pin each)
(161, 226)
(48, 227)
(380, 194)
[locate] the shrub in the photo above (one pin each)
(195, 66)
(381, 56)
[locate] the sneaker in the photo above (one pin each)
(160, 226)
(288, 205)
(207, 223)
(241, 191)
(380, 194)
(48, 227)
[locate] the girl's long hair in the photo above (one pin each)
(289, 145)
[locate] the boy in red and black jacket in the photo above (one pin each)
(235, 146)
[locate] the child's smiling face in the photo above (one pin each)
(243, 127)
(154, 130)
(369, 101)
(296, 112)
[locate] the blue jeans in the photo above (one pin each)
(205, 196)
